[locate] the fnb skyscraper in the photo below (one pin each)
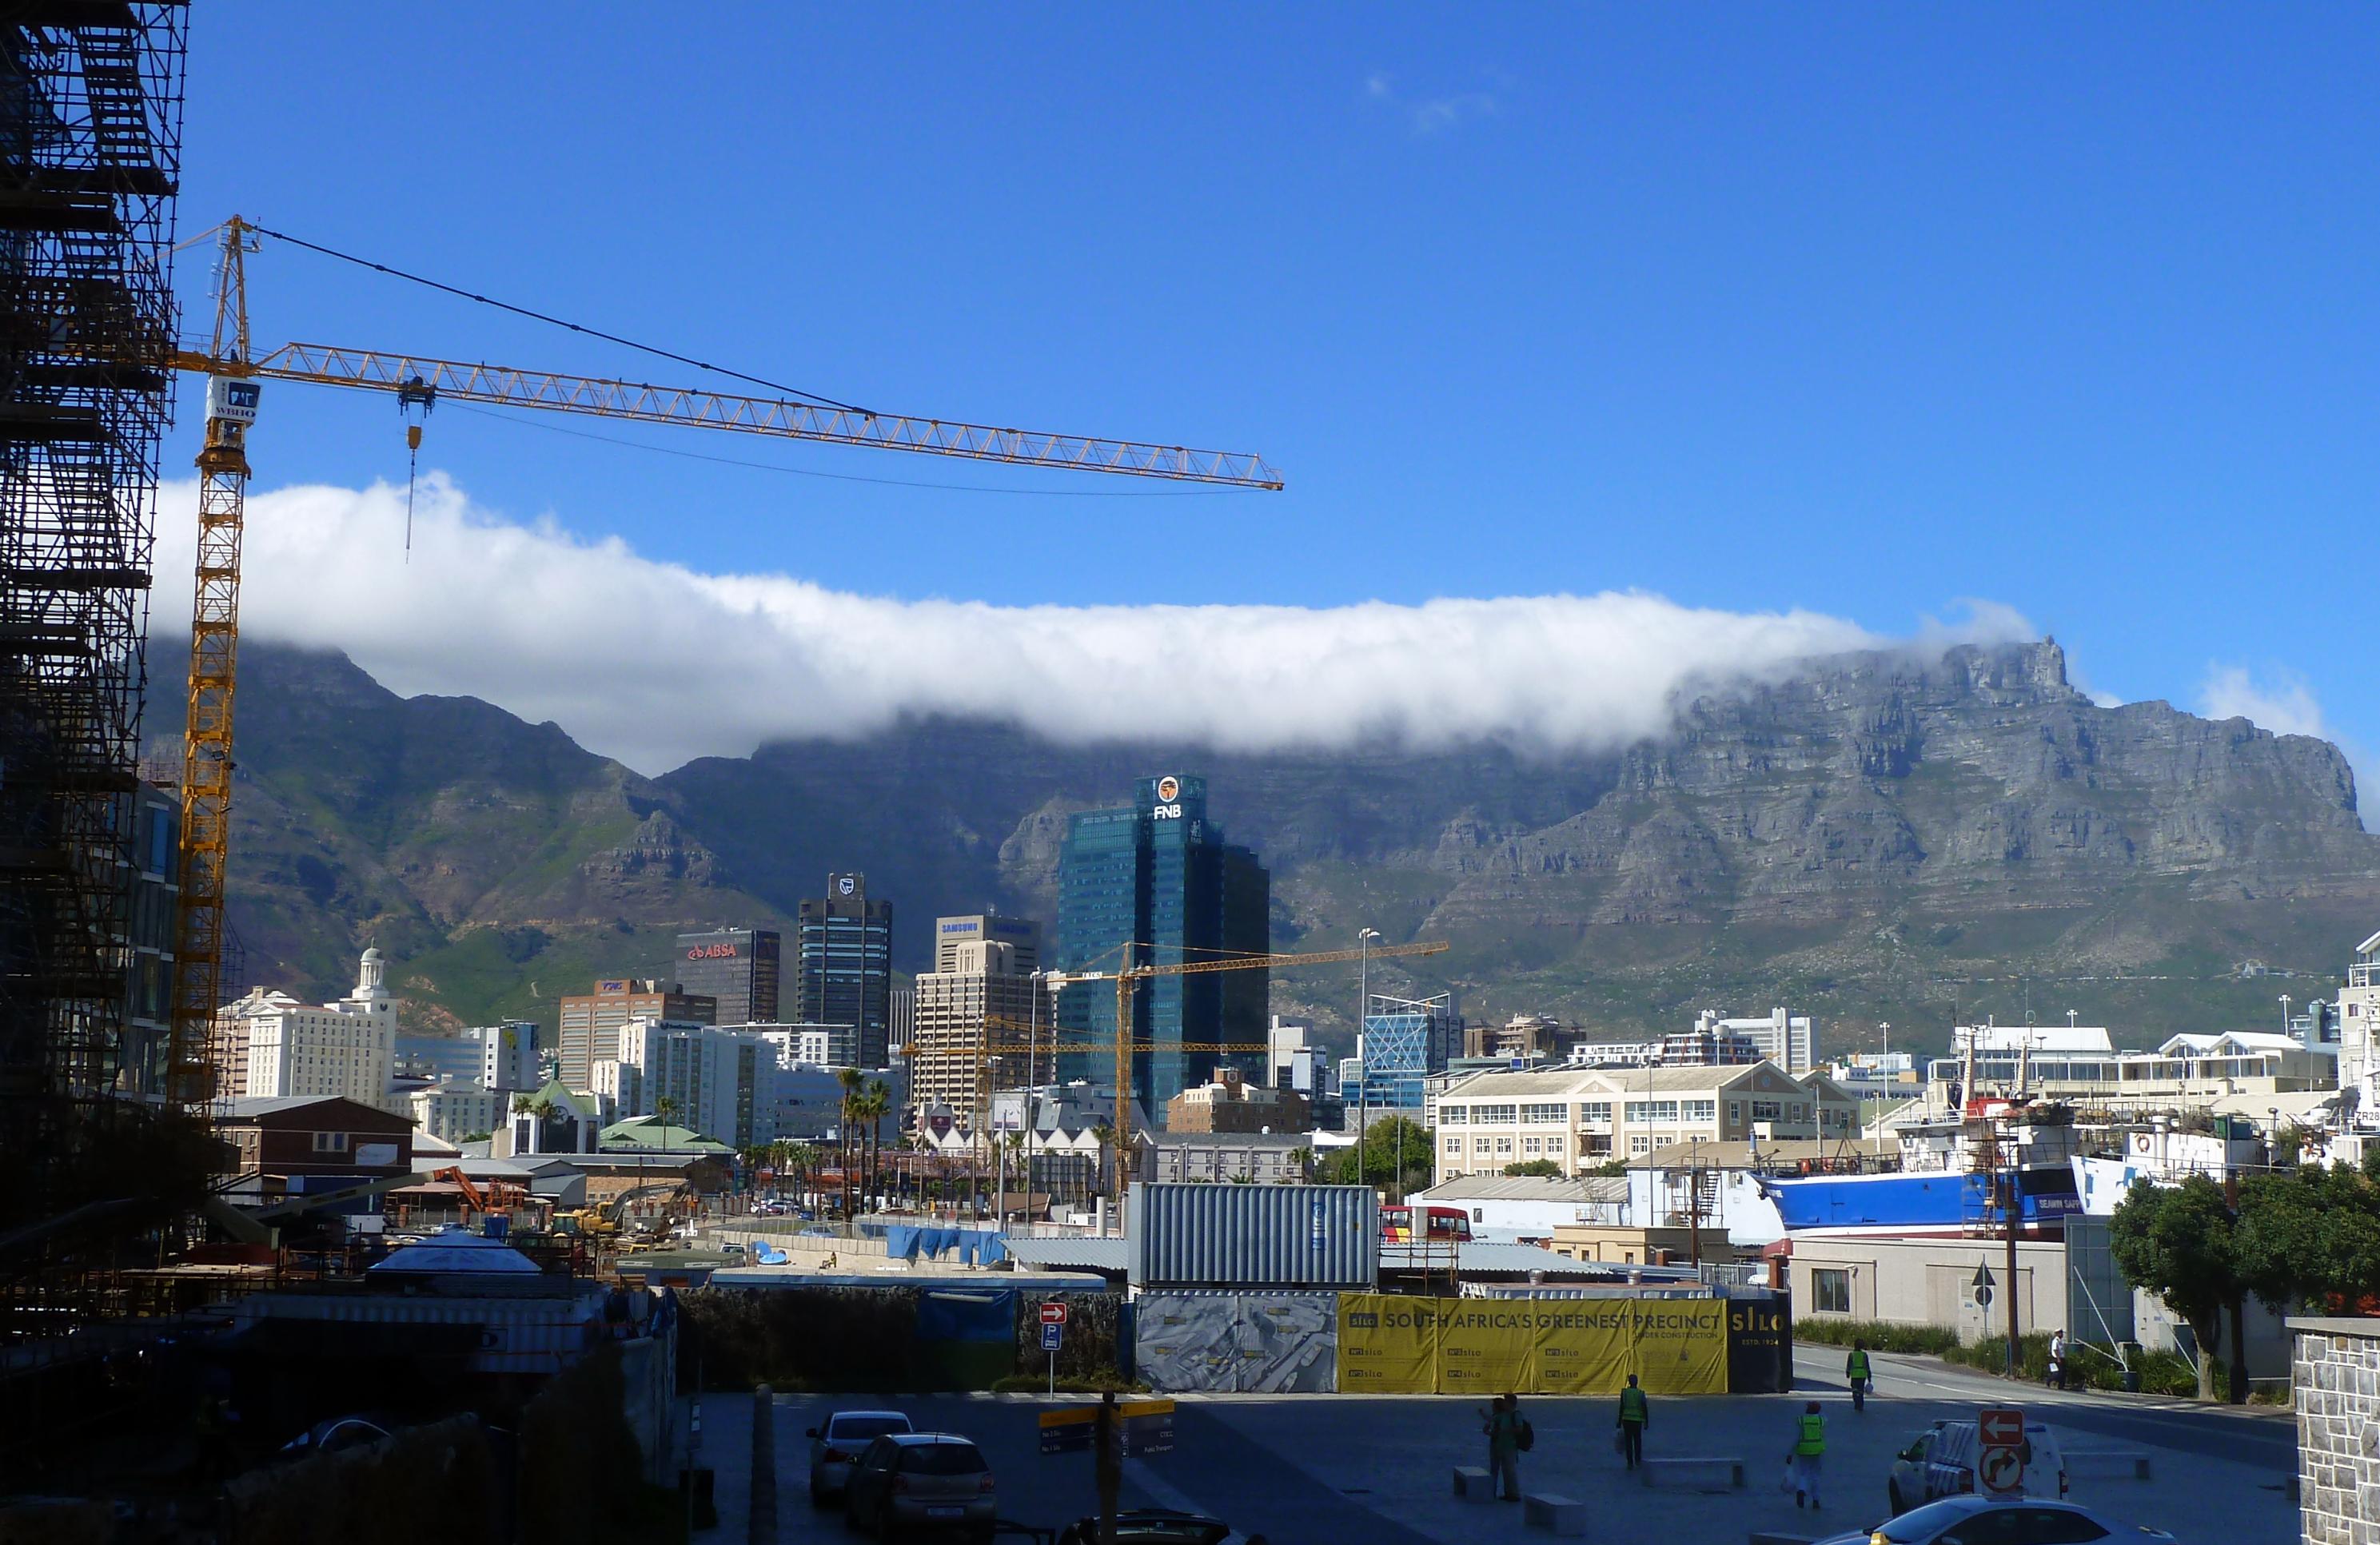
(1159, 875)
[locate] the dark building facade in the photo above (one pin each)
(843, 971)
(738, 968)
(153, 870)
(1159, 877)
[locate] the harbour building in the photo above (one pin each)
(1156, 879)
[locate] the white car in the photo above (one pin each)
(1988, 1521)
(1941, 1463)
(836, 1445)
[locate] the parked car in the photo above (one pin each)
(1151, 1526)
(835, 1445)
(1941, 1463)
(908, 1481)
(1991, 1521)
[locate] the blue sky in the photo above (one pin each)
(1865, 311)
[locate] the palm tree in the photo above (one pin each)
(849, 1080)
(1302, 1158)
(665, 1108)
(875, 1104)
(1104, 1135)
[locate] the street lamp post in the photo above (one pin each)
(1363, 1079)
(2285, 1013)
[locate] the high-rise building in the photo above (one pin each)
(1157, 880)
(843, 970)
(591, 1022)
(981, 1000)
(1022, 937)
(738, 968)
(719, 1083)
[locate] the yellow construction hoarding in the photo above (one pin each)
(1392, 1345)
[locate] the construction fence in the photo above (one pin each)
(1388, 1344)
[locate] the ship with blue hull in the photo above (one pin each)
(1954, 1178)
(1897, 1204)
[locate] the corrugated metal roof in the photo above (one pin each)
(1484, 1256)
(1528, 1188)
(1089, 1254)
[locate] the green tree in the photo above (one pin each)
(1396, 1150)
(1545, 1167)
(2181, 1243)
(2312, 1234)
(848, 1080)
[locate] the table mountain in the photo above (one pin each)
(1887, 836)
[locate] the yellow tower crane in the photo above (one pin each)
(233, 373)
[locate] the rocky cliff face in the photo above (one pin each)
(1882, 836)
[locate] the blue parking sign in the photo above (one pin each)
(1050, 1336)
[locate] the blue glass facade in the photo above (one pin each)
(844, 966)
(1403, 1044)
(1158, 876)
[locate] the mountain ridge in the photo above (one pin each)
(1888, 835)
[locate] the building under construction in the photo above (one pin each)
(90, 116)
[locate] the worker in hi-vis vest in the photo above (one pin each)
(1857, 1370)
(1634, 1412)
(1809, 1448)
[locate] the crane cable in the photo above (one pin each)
(557, 321)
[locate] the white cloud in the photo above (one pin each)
(2285, 704)
(1429, 114)
(655, 663)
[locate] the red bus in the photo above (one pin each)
(1443, 1224)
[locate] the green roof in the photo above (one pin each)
(651, 1132)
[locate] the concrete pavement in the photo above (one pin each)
(1316, 1469)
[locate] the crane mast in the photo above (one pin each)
(214, 656)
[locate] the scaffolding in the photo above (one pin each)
(90, 125)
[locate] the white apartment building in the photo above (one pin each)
(719, 1083)
(2359, 1031)
(268, 1045)
(453, 1111)
(1581, 1118)
(507, 1055)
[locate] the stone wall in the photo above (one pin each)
(2336, 1373)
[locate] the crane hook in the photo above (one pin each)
(411, 394)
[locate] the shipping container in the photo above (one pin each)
(1188, 1236)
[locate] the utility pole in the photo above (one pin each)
(1363, 1079)
(1694, 1205)
(2009, 1216)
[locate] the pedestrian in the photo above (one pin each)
(1507, 1436)
(2058, 1358)
(1809, 1450)
(1857, 1370)
(1634, 1412)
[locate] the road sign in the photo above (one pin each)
(1984, 1296)
(1147, 1427)
(1053, 1313)
(1063, 1431)
(1999, 1462)
(1052, 1334)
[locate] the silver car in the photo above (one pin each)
(1987, 1521)
(906, 1483)
(836, 1444)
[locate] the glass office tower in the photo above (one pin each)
(1157, 877)
(844, 966)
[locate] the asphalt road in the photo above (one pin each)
(1317, 1469)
